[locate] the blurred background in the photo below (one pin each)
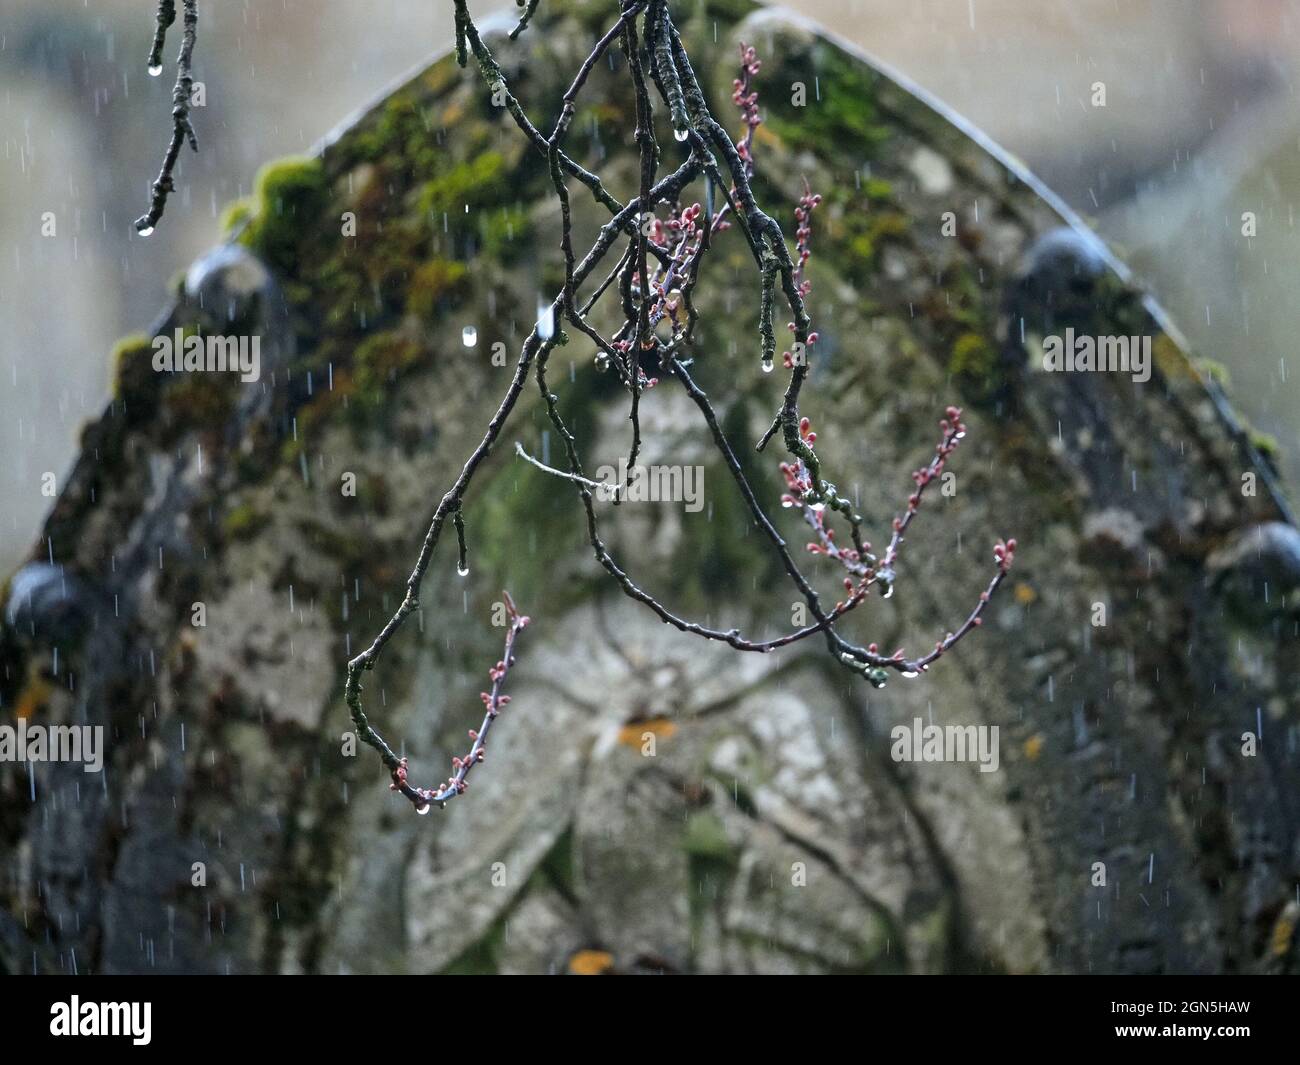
(1200, 124)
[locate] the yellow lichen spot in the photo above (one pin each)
(1171, 361)
(131, 358)
(1214, 371)
(604, 111)
(973, 355)
(633, 735)
(433, 282)
(862, 247)
(1282, 933)
(33, 697)
(888, 224)
(236, 213)
(440, 77)
(1034, 746)
(766, 138)
(242, 521)
(1265, 443)
(591, 963)
(1024, 593)
(453, 113)
(878, 189)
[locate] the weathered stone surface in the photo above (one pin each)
(771, 830)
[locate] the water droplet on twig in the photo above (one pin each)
(545, 321)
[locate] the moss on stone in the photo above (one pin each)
(289, 194)
(131, 357)
(433, 285)
(481, 957)
(1266, 444)
(1215, 371)
(197, 401)
(479, 181)
(243, 522)
(705, 836)
(379, 361)
(557, 868)
(401, 130)
(505, 233)
(236, 214)
(840, 108)
(973, 357)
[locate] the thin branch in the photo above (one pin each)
(163, 22)
(182, 130)
(678, 246)
(494, 701)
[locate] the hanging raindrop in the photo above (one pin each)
(545, 321)
(423, 809)
(681, 134)
(462, 569)
(767, 365)
(144, 231)
(469, 336)
(155, 69)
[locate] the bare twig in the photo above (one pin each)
(182, 131)
(665, 237)
(678, 245)
(494, 701)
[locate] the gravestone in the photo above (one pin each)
(653, 802)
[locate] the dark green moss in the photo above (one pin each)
(289, 196)
(1266, 444)
(844, 115)
(973, 357)
(705, 836)
(435, 286)
(380, 360)
(243, 522)
(236, 214)
(479, 181)
(401, 131)
(557, 868)
(505, 233)
(132, 365)
(481, 957)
